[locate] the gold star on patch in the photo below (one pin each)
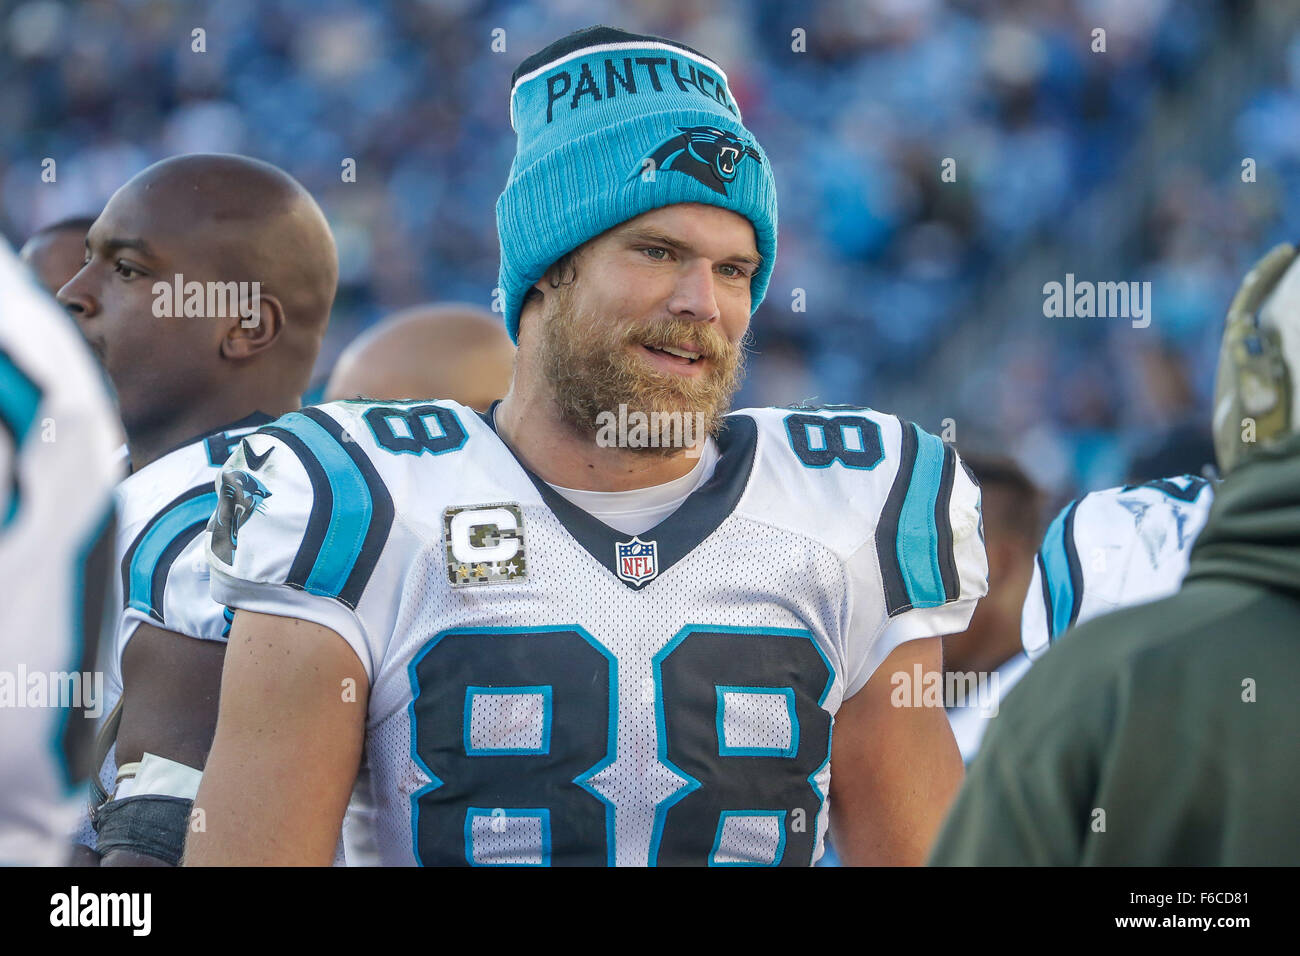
(462, 572)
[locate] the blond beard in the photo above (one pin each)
(587, 362)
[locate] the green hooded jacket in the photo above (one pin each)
(1167, 733)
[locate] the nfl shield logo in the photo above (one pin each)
(637, 560)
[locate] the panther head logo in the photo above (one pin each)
(705, 153)
(241, 496)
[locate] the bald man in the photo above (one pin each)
(57, 252)
(254, 257)
(460, 352)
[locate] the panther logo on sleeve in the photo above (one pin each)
(241, 496)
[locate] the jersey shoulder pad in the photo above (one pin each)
(301, 503)
(1132, 542)
(897, 506)
(312, 499)
(858, 479)
(1190, 492)
(823, 471)
(1109, 549)
(310, 521)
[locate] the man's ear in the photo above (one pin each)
(259, 324)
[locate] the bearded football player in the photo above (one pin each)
(559, 642)
(190, 385)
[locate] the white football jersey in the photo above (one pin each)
(1111, 549)
(58, 434)
(546, 690)
(161, 569)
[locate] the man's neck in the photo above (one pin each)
(562, 455)
(147, 445)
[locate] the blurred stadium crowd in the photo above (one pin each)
(922, 296)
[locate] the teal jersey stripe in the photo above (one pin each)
(918, 537)
(19, 398)
(1060, 582)
(352, 511)
(156, 541)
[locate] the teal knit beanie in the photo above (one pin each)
(611, 125)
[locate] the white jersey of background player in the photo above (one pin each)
(1111, 549)
(162, 579)
(58, 436)
(489, 613)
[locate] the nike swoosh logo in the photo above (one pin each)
(255, 462)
